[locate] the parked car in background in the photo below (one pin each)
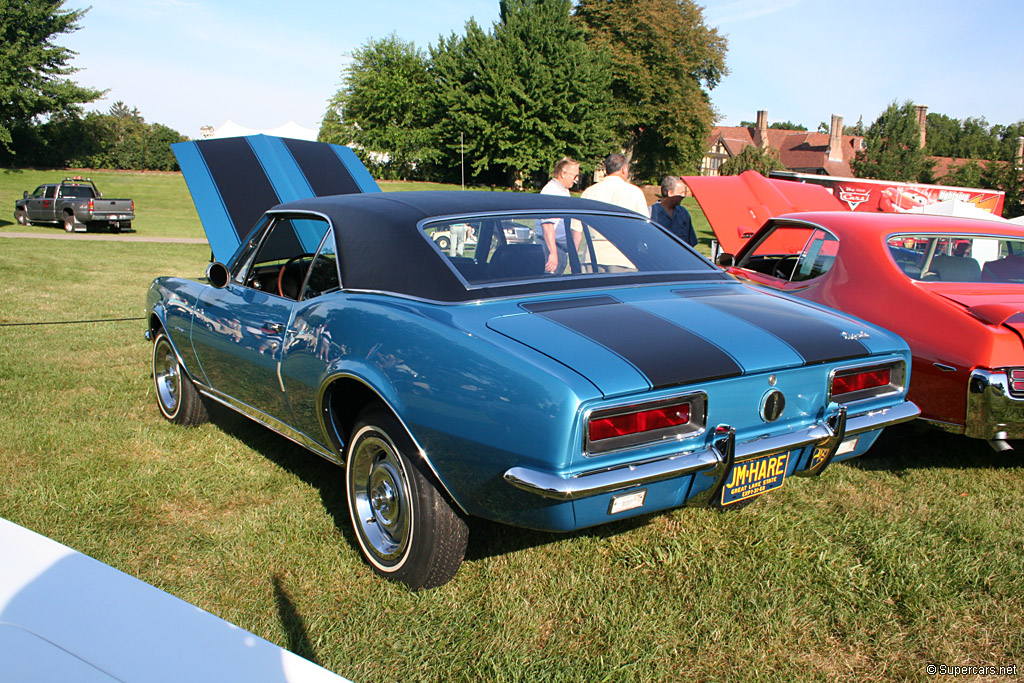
(76, 204)
(641, 379)
(952, 287)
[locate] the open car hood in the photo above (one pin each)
(737, 206)
(233, 181)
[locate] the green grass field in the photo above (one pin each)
(910, 556)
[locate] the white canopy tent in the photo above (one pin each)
(230, 129)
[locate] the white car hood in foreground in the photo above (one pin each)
(67, 617)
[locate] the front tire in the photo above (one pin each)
(21, 215)
(176, 396)
(406, 528)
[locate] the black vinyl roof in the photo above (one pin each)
(381, 247)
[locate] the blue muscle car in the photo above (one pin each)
(641, 378)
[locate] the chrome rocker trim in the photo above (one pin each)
(992, 413)
(714, 461)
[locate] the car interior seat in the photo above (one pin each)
(512, 261)
(954, 269)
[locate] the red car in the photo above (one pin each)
(953, 288)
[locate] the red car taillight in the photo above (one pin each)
(855, 384)
(90, 205)
(640, 421)
(628, 426)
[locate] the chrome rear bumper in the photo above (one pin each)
(714, 461)
(992, 413)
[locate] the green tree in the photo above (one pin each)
(664, 56)
(523, 95)
(778, 125)
(33, 67)
(1006, 173)
(970, 174)
(384, 108)
(753, 159)
(893, 147)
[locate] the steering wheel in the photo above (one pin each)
(780, 271)
(280, 273)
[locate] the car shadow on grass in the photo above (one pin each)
(913, 446)
(486, 538)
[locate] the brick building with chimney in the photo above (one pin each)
(819, 153)
(801, 151)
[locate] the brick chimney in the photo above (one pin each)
(761, 134)
(835, 139)
(922, 122)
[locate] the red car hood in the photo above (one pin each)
(737, 206)
(992, 306)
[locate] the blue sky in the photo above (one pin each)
(188, 63)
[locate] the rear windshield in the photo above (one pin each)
(527, 248)
(80, 191)
(950, 257)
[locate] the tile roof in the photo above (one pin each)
(798, 150)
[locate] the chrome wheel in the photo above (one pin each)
(176, 396)
(381, 499)
(167, 377)
(407, 529)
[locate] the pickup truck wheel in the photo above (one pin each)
(69, 223)
(176, 396)
(406, 528)
(21, 215)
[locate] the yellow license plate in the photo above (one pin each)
(751, 478)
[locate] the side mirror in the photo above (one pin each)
(24, 195)
(217, 274)
(725, 260)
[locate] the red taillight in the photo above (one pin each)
(133, 205)
(1017, 381)
(90, 205)
(640, 421)
(860, 380)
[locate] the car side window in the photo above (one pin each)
(323, 272)
(278, 255)
(817, 256)
(51, 191)
(778, 251)
(39, 191)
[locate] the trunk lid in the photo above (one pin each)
(639, 340)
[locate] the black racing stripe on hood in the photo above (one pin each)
(817, 340)
(665, 353)
(325, 172)
(241, 181)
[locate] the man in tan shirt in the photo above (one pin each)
(616, 188)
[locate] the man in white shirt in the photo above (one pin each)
(616, 188)
(566, 173)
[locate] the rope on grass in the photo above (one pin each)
(72, 322)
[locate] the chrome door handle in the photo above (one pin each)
(276, 328)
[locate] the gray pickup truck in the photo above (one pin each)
(76, 204)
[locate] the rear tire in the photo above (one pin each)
(69, 223)
(176, 396)
(406, 528)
